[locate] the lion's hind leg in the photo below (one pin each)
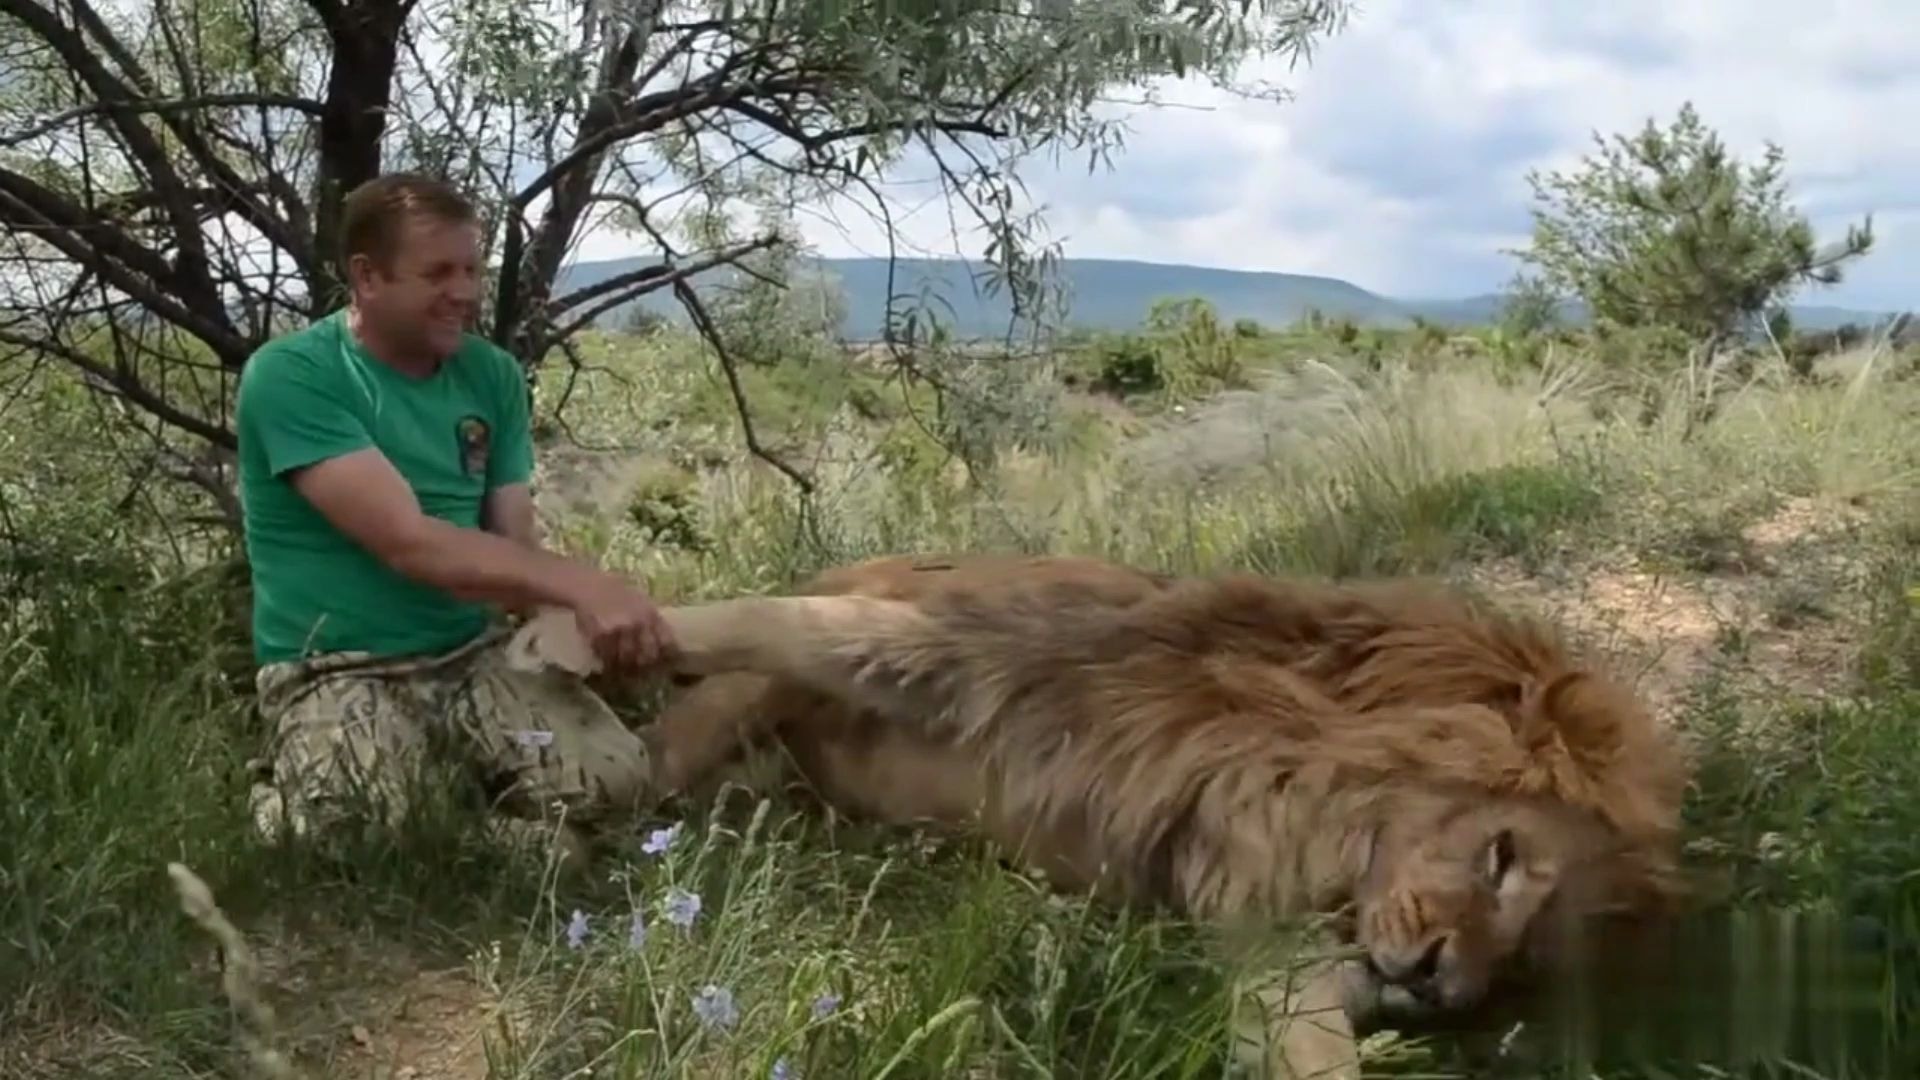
(709, 725)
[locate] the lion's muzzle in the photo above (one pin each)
(1424, 977)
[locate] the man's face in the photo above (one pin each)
(430, 291)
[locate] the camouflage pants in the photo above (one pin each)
(347, 727)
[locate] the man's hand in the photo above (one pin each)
(624, 627)
(365, 498)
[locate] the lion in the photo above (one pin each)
(1446, 784)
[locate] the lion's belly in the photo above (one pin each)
(874, 771)
(888, 776)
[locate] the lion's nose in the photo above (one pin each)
(1410, 968)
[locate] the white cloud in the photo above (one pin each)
(1400, 164)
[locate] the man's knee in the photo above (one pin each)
(624, 762)
(339, 746)
(556, 739)
(612, 763)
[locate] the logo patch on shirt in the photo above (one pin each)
(475, 439)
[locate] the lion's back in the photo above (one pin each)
(923, 578)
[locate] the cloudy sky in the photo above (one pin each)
(1400, 164)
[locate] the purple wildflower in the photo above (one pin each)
(714, 1005)
(660, 840)
(682, 907)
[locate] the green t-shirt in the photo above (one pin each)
(315, 394)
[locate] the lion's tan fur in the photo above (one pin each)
(859, 762)
(852, 758)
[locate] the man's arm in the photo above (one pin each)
(365, 497)
(508, 509)
(509, 512)
(306, 419)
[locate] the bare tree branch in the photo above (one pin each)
(624, 288)
(190, 104)
(123, 383)
(697, 311)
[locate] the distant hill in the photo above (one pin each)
(1114, 294)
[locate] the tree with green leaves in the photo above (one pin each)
(171, 171)
(1667, 229)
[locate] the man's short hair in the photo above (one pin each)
(373, 213)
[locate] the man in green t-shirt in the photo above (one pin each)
(385, 461)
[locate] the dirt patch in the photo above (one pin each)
(1799, 522)
(376, 1009)
(1778, 625)
(428, 1027)
(371, 1009)
(375, 1020)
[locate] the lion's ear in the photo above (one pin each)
(1550, 699)
(1565, 686)
(1572, 707)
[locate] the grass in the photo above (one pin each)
(127, 728)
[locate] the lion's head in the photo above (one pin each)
(1463, 895)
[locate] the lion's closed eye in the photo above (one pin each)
(1500, 856)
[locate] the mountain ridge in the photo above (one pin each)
(1115, 294)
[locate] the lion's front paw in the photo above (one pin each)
(1294, 1026)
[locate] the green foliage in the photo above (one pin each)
(1529, 307)
(1201, 357)
(118, 747)
(1129, 366)
(917, 466)
(792, 397)
(1182, 352)
(1819, 817)
(777, 316)
(1891, 655)
(1428, 338)
(665, 507)
(1666, 228)
(1377, 530)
